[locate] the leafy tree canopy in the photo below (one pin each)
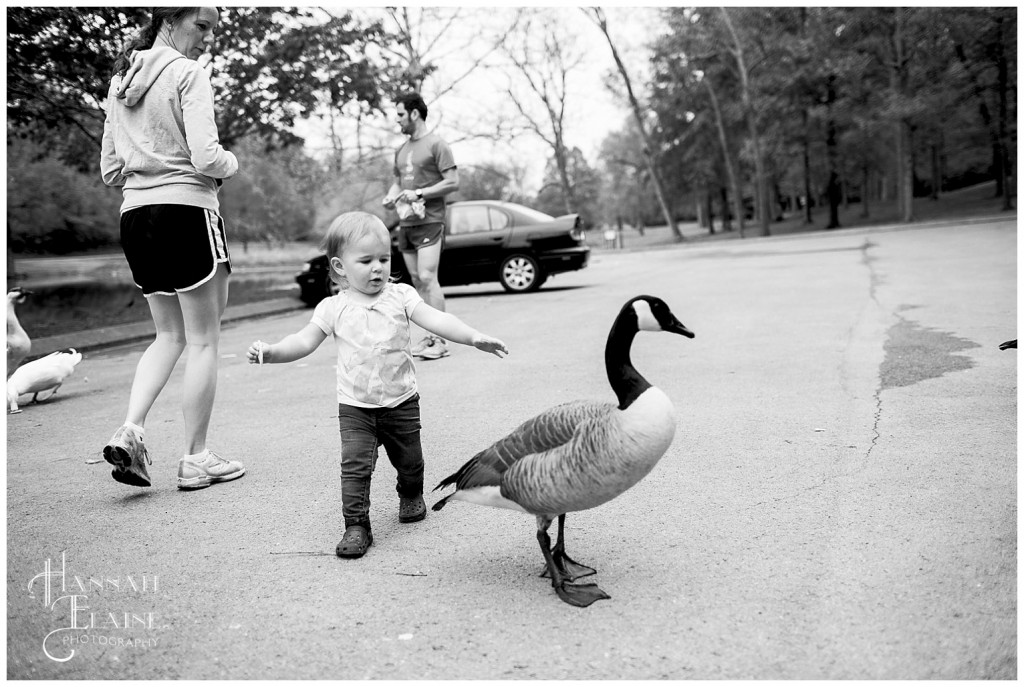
(269, 66)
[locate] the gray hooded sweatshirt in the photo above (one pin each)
(160, 139)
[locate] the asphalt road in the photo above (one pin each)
(840, 500)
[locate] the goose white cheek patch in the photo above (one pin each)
(645, 319)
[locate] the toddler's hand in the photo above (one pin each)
(489, 344)
(258, 353)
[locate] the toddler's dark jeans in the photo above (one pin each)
(363, 430)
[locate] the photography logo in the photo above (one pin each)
(67, 596)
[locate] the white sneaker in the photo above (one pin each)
(436, 349)
(423, 344)
(197, 474)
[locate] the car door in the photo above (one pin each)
(474, 243)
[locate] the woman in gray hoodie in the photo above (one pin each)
(160, 145)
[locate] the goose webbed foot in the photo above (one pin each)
(581, 595)
(569, 569)
(563, 570)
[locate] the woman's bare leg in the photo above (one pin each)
(157, 363)
(201, 310)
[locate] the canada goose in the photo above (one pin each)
(37, 376)
(1008, 344)
(581, 454)
(18, 343)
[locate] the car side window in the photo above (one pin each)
(469, 220)
(499, 220)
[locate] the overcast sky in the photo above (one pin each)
(592, 110)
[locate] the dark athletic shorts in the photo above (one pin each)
(172, 248)
(411, 239)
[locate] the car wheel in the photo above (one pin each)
(520, 273)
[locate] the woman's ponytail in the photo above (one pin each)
(146, 36)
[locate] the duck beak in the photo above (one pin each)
(677, 327)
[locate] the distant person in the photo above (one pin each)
(378, 400)
(425, 173)
(160, 144)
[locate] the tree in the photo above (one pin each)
(627, 195)
(59, 61)
(985, 51)
(584, 181)
(274, 194)
(597, 15)
(760, 176)
(269, 66)
(695, 95)
(425, 39)
(494, 181)
(544, 57)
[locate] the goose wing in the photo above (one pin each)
(589, 469)
(544, 432)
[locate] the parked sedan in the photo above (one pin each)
(485, 241)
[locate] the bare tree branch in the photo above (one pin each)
(597, 15)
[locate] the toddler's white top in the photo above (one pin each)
(375, 364)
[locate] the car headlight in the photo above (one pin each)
(578, 234)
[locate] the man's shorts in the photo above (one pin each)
(172, 248)
(411, 239)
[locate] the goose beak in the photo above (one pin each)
(677, 327)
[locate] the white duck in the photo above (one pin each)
(37, 376)
(581, 454)
(18, 343)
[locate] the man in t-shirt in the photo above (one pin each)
(425, 173)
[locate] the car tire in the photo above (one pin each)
(520, 273)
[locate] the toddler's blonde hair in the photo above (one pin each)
(346, 228)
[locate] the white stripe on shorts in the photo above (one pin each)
(218, 242)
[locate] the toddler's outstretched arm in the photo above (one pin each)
(450, 327)
(292, 347)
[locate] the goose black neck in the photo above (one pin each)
(626, 382)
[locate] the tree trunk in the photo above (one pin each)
(763, 200)
(710, 211)
(734, 183)
(1002, 69)
(992, 127)
(562, 162)
(834, 191)
(597, 15)
(904, 163)
(936, 174)
(724, 203)
(865, 190)
(808, 214)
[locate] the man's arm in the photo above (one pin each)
(448, 184)
(393, 193)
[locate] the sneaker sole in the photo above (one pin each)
(203, 482)
(119, 458)
(433, 356)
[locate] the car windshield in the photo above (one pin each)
(531, 215)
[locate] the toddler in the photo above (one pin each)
(378, 403)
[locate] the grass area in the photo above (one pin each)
(976, 201)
